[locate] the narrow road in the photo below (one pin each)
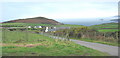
(112, 50)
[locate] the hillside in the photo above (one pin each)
(106, 27)
(39, 20)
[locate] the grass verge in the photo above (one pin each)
(96, 41)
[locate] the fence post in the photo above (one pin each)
(26, 33)
(67, 36)
(3, 31)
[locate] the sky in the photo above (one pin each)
(59, 10)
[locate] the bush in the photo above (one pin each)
(87, 32)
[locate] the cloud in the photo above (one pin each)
(59, 9)
(71, 10)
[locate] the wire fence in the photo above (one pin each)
(22, 34)
(54, 37)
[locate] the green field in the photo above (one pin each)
(108, 30)
(106, 25)
(110, 27)
(69, 25)
(17, 43)
(25, 24)
(33, 24)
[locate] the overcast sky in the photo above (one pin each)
(60, 10)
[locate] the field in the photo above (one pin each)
(31, 24)
(108, 30)
(69, 25)
(107, 27)
(17, 43)
(24, 24)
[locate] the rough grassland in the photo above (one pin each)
(31, 24)
(107, 27)
(25, 24)
(17, 43)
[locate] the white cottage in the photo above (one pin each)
(46, 30)
(54, 27)
(39, 26)
(35, 27)
(29, 27)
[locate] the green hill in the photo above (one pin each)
(107, 27)
(36, 24)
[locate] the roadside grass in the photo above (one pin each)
(97, 41)
(14, 44)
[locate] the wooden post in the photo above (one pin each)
(26, 33)
(67, 36)
(104, 34)
(3, 31)
(95, 34)
(116, 35)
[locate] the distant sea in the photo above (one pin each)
(88, 23)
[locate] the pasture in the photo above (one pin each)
(24, 24)
(107, 27)
(22, 43)
(33, 24)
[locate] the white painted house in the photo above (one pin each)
(46, 30)
(39, 26)
(35, 26)
(55, 27)
(29, 27)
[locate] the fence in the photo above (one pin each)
(16, 35)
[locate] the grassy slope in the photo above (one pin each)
(13, 40)
(69, 25)
(108, 30)
(106, 25)
(31, 24)
(26, 24)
